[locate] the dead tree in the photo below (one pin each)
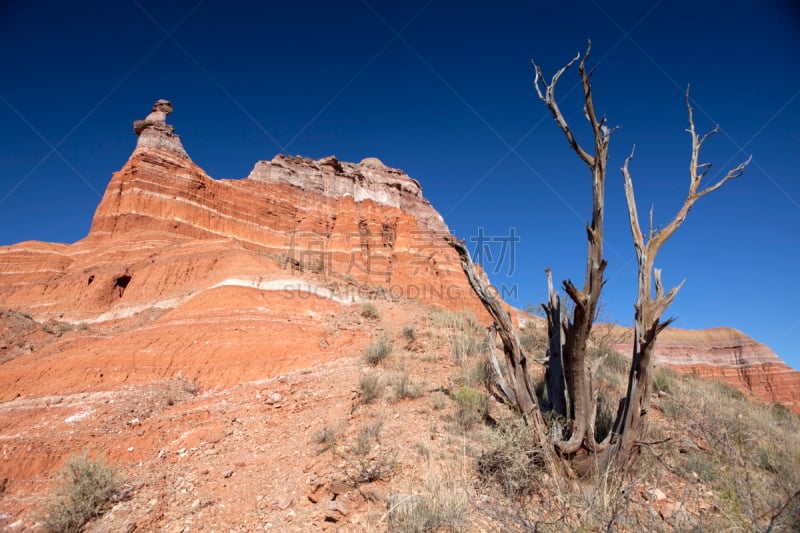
(579, 402)
(633, 416)
(569, 337)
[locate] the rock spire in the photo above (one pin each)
(154, 132)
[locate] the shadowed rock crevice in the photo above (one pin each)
(120, 284)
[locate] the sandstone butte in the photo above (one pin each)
(220, 282)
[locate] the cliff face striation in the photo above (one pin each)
(730, 356)
(224, 280)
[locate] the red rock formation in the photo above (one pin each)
(731, 357)
(224, 280)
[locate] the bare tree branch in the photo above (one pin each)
(548, 97)
(633, 416)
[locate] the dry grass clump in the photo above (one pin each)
(87, 487)
(513, 460)
(440, 506)
(369, 310)
(405, 388)
(371, 387)
(464, 320)
(378, 350)
(461, 331)
(368, 433)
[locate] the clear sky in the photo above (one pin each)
(443, 90)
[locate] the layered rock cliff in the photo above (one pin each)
(732, 357)
(226, 280)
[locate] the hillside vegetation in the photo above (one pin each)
(403, 436)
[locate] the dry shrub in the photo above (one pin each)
(750, 455)
(471, 406)
(513, 461)
(326, 437)
(367, 468)
(534, 341)
(368, 310)
(87, 486)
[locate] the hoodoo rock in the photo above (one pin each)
(155, 133)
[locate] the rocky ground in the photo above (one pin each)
(304, 450)
(250, 457)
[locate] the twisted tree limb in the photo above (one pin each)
(518, 376)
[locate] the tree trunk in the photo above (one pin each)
(581, 401)
(554, 365)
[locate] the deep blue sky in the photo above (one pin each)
(444, 91)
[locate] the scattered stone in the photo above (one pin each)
(227, 473)
(317, 493)
(216, 436)
(285, 502)
(339, 487)
(336, 511)
(372, 495)
(669, 509)
(273, 398)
